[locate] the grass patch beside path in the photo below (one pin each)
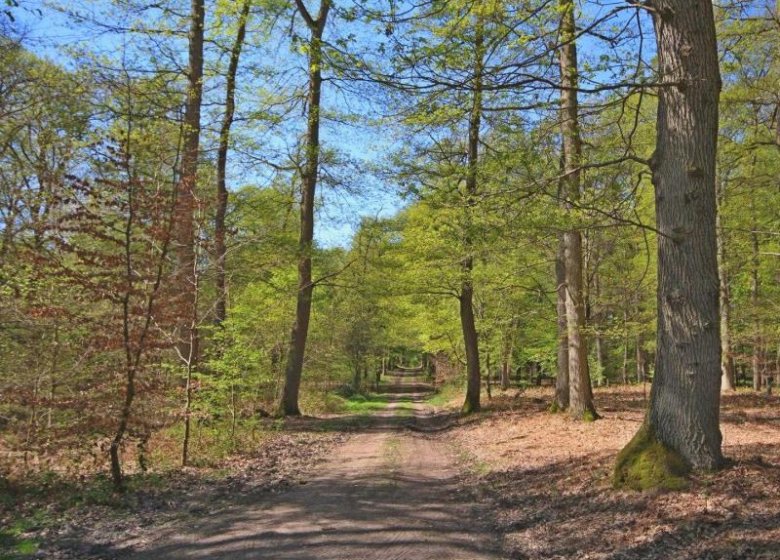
(447, 395)
(365, 404)
(15, 540)
(371, 403)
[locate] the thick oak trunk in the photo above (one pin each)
(682, 425)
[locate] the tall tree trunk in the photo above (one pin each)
(470, 338)
(683, 415)
(755, 292)
(184, 231)
(624, 369)
(488, 381)
(562, 376)
(727, 382)
(600, 357)
(580, 392)
(222, 152)
(641, 360)
(597, 323)
(506, 357)
(288, 405)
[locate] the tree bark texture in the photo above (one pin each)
(685, 395)
(222, 153)
(471, 342)
(506, 356)
(466, 298)
(580, 392)
(300, 330)
(727, 382)
(184, 230)
(562, 376)
(755, 292)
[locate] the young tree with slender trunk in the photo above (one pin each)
(728, 376)
(681, 429)
(756, 359)
(288, 405)
(562, 375)
(222, 152)
(580, 393)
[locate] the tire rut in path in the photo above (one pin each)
(384, 494)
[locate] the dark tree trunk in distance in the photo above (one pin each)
(755, 289)
(562, 376)
(728, 381)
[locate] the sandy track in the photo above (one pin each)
(388, 493)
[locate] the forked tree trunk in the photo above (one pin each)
(222, 152)
(683, 415)
(580, 392)
(288, 405)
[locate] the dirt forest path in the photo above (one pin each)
(389, 492)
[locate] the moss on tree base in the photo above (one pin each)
(469, 408)
(590, 416)
(646, 464)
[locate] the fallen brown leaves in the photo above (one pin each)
(547, 480)
(85, 520)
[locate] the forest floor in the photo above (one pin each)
(547, 482)
(402, 478)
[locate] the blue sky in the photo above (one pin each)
(361, 193)
(54, 36)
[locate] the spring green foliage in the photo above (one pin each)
(387, 295)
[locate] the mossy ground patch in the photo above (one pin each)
(646, 464)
